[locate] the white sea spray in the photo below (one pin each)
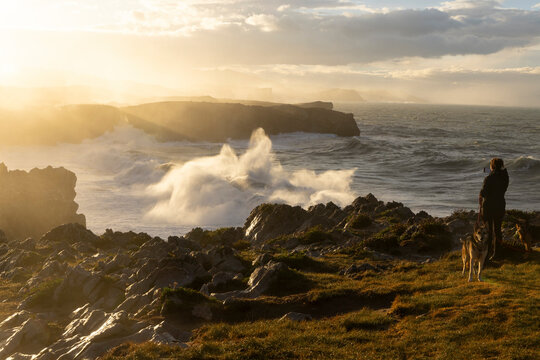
(222, 189)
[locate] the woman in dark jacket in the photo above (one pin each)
(492, 203)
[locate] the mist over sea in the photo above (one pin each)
(430, 157)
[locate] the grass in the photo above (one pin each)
(301, 261)
(314, 235)
(360, 221)
(228, 236)
(409, 311)
(182, 300)
(8, 294)
(42, 295)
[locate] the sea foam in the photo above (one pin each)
(222, 189)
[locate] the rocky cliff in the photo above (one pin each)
(32, 203)
(169, 121)
(220, 121)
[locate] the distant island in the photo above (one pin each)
(172, 121)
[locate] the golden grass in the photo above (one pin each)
(435, 314)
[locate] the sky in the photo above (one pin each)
(461, 51)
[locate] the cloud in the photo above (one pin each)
(328, 33)
(263, 21)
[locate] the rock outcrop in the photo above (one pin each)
(172, 120)
(32, 203)
(219, 122)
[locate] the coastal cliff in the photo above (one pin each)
(171, 121)
(220, 121)
(32, 203)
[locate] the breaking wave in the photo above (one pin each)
(223, 189)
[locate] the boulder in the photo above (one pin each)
(72, 233)
(261, 279)
(32, 203)
(268, 221)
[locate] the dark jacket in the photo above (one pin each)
(492, 194)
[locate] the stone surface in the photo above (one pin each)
(32, 203)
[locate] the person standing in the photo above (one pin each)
(492, 202)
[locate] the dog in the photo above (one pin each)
(474, 250)
(524, 233)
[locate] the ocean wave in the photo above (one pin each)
(524, 163)
(222, 189)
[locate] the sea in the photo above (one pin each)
(429, 157)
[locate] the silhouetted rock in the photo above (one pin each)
(32, 203)
(221, 121)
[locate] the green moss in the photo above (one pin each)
(182, 300)
(431, 235)
(29, 259)
(314, 235)
(222, 236)
(300, 261)
(387, 238)
(360, 221)
(241, 245)
(42, 295)
(290, 281)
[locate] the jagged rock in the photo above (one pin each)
(295, 316)
(31, 334)
(119, 261)
(3, 237)
(223, 258)
(27, 244)
(268, 221)
(70, 234)
(51, 268)
(366, 204)
(4, 248)
(260, 281)
(182, 242)
(34, 202)
(262, 259)
(17, 273)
